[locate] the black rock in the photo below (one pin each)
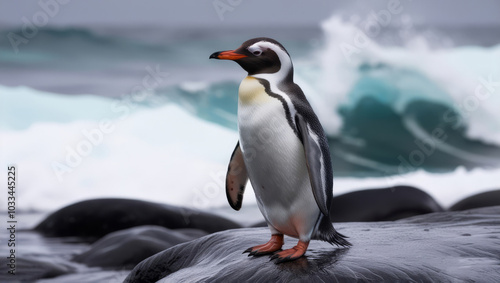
(259, 224)
(382, 204)
(126, 248)
(490, 198)
(98, 217)
(30, 269)
(437, 247)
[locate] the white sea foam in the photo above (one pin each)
(162, 154)
(194, 86)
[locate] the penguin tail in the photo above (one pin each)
(326, 232)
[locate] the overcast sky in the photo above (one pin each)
(226, 13)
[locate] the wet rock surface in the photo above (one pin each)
(29, 270)
(438, 247)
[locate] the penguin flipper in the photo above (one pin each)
(318, 165)
(236, 178)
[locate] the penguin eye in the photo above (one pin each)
(257, 52)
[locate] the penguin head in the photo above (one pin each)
(260, 55)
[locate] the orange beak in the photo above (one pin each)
(227, 55)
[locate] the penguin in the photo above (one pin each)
(283, 150)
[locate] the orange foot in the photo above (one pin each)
(273, 245)
(291, 254)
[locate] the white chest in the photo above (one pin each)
(262, 122)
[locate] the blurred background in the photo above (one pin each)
(119, 98)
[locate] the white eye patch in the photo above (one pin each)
(255, 50)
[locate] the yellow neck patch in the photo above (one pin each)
(252, 91)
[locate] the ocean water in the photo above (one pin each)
(142, 113)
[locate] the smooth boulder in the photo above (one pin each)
(126, 248)
(490, 198)
(382, 204)
(98, 217)
(32, 269)
(436, 247)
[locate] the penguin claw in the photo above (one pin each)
(251, 251)
(273, 245)
(283, 259)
